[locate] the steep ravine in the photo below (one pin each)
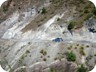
(47, 35)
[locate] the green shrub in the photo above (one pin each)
(43, 11)
(27, 51)
(82, 50)
(43, 52)
(71, 56)
(86, 11)
(58, 19)
(82, 69)
(94, 54)
(5, 8)
(82, 1)
(71, 25)
(94, 11)
(44, 59)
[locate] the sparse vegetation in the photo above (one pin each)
(20, 63)
(19, 8)
(11, 70)
(88, 16)
(94, 54)
(43, 11)
(43, 52)
(22, 46)
(27, 51)
(71, 56)
(29, 43)
(94, 11)
(5, 8)
(82, 69)
(87, 46)
(55, 58)
(82, 50)
(75, 47)
(44, 59)
(22, 70)
(39, 25)
(77, 44)
(69, 48)
(71, 25)
(86, 11)
(58, 19)
(41, 57)
(89, 57)
(48, 56)
(52, 70)
(86, 7)
(81, 1)
(81, 14)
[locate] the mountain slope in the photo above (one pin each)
(47, 35)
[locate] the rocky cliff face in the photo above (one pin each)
(47, 35)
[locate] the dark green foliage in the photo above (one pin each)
(94, 54)
(82, 69)
(27, 51)
(43, 11)
(71, 56)
(86, 11)
(5, 8)
(94, 11)
(43, 52)
(44, 59)
(82, 1)
(71, 25)
(58, 19)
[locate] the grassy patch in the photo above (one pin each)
(82, 69)
(71, 56)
